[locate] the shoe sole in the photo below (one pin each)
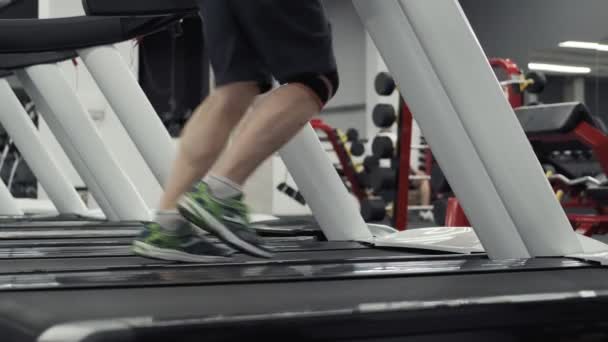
(146, 250)
(190, 209)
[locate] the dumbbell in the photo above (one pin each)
(383, 146)
(291, 192)
(352, 135)
(384, 115)
(388, 195)
(357, 148)
(363, 179)
(374, 209)
(371, 163)
(383, 179)
(384, 84)
(539, 82)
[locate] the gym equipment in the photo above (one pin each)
(383, 146)
(375, 209)
(371, 163)
(537, 82)
(352, 135)
(357, 147)
(6, 3)
(378, 294)
(572, 142)
(20, 127)
(291, 192)
(533, 82)
(383, 179)
(384, 84)
(384, 115)
(363, 179)
(346, 162)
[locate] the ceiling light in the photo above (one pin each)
(584, 45)
(566, 69)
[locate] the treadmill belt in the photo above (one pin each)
(35, 311)
(67, 232)
(46, 265)
(95, 248)
(20, 224)
(118, 241)
(274, 271)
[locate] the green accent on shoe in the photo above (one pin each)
(228, 219)
(181, 245)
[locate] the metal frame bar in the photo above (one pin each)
(79, 138)
(334, 208)
(404, 154)
(343, 156)
(22, 130)
(422, 90)
(496, 134)
(422, 56)
(132, 107)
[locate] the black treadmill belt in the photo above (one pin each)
(46, 265)
(27, 224)
(68, 233)
(35, 311)
(81, 242)
(273, 271)
(64, 252)
(96, 249)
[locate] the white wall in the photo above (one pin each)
(109, 127)
(347, 109)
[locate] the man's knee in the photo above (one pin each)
(324, 86)
(235, 96)
(237, 89)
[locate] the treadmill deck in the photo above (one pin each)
(54, 281)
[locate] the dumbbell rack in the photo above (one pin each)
(398, 150)
(343, 157)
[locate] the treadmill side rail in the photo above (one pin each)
(94, 331)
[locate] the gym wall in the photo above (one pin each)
(347, 109)
(514, 28)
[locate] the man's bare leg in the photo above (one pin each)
(205, 137)
(274, 121)
(216, 204)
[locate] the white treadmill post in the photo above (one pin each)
(430, 59)
(21, 129)
(132, 108)
(431, 106)
(8, 204)
(456, 55)
(332, 206)
(79, 138)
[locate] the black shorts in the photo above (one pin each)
(256, 40)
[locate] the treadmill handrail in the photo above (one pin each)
(4, 4)
(64, 34)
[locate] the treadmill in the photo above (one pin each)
(521, 275)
